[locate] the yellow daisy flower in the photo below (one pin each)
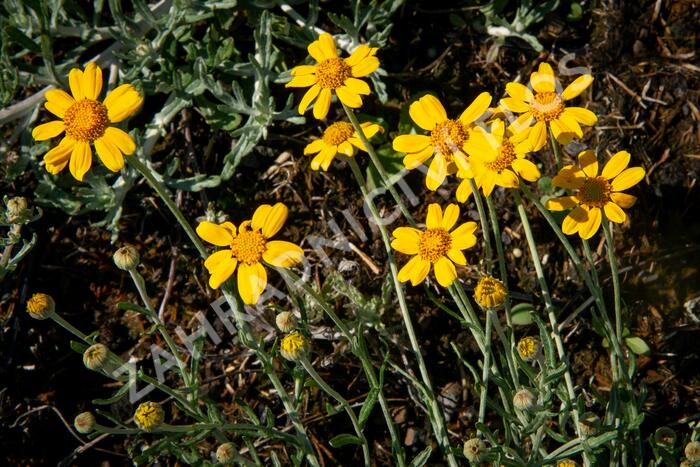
(595, 192)
(247, 248)
(545, 107)
(446, 141)
(86, 120)
(496, 158)
(333, 74)
(435, 246)
(339, 137)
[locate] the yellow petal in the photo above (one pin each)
(436, 172)
(623, 199)
(348, 97)
(616, 164)
(519, 91)
(476, 109)
(526, 169)
(308, 98)
(515, 105)
(457, 256)
(445, 272)
(370, 129)
(323, 103)
(591, 226)
(302, 81)
(434, 217)
(57, 158)
(410, 143)
(538, 136)
(303, 70)
(462, 235)
(216, 234)
(543, 79)
(91, 84)
(109, 154)
(588, 163)
(574, 220)
(365, 67)
(521, 125)
(507, 179)
(358, 86)
(323, 48)
(120, 139)
(582, 115)
(405, 245)
(222, 271)
(427, 112)
(252, 280)
(415, 270)
(571, 124)
(488, 182)
(48, 130)
(346, 148)
(122, 103)
(449, 218)
(314, 146)
(628, 178)
(324, 158)
(562, 203)
(360, 53)
(464, 191)
(579, 85)
(569, 178)
(274, 220)
(58, 101)
(561, 131)
(217, 258)
(282, 254)
(80, 160)
(75, 80)
(614, 213)
(413, 160)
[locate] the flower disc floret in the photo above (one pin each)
(434, 244)
(40, 306)
(249, 246)
(489, 292)
(595, 192)
(506, 156)
(338, 133)
(294, 346)
(86, 120)
(332, 73)
(529, 348)
(149, 416)
(449, 137)
(547, 106)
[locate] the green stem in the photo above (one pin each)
(488, 255)
(343, 402)
(437, 418)
(360, 352)
(607, 230)
(165, 196)
(486, 365)
(70, 328)
(556, 150)
(377, 163)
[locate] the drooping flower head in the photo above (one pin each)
(594, 192)
(339, 137)
(447, 139)
(496, 158)
(87, 121)
(435, 246)
(294, 346)
(149, 416)
(41, 306)
(529, 348)
(333, 75)
(545, 107)
(247, 248)
(490, 292)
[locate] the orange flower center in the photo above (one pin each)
(595, 192)
(337, 133)
(547, 106)
(448, 137)
(249, 246)
(506, 156)
(86, 120)
(434, 244)
(332, 73)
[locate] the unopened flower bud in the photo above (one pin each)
(286, 321)
(524, 400)
(692, 451)
(84, 422)
(529, 348)
(17, 209)
(490, 292)
(589, 424)
(226, 453)
(126, 258)
(474, 449)
(149, 416)
(96, 356)
(294, 346)
(41, 306)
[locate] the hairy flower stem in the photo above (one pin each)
(358, 350)
(535, 256)
(484, 224)
(437, 418)
(377, 163)
(234, 302)
(344, 403)
(486, 365)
